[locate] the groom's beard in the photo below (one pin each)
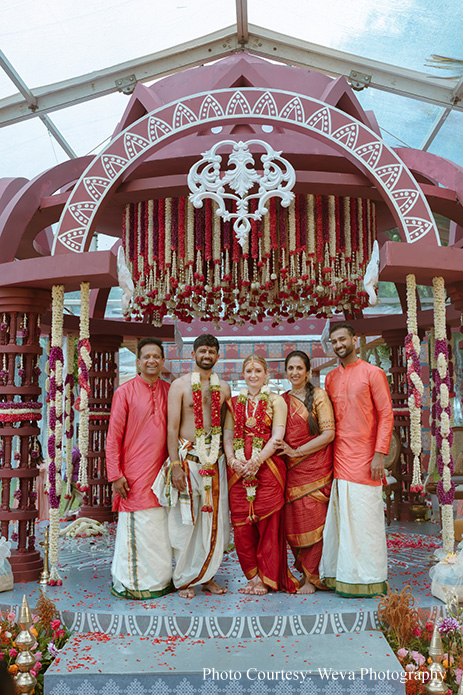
(205, 362)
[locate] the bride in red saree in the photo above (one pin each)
(308, 453)
(256, 481)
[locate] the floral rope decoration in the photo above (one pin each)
(55, 427)
(414, 381)
(445, 486)
(308, 259)
(84, 363)
(69, 411)
(12, 411)
(207, 460)
(256, 421)
(434, 396)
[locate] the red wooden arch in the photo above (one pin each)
(359, 143)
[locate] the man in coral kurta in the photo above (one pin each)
(354, 560)
(136, 449)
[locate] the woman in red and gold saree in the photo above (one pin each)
(256, 482)
(308, 453)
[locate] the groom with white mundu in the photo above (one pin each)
(198, 523)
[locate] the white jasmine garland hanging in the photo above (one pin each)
(55, 427)
(445, 486)
(415, 383)
(84, 364)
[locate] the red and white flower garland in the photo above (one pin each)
(207, 460)
(445, 486)
(24, 411)
(84, 364)
(257, 440)
(304, 260)
(414, 381)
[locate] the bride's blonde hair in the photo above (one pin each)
(255, 358)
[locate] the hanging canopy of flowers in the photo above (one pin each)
(307, 259)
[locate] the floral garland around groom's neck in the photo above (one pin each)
(207, 460)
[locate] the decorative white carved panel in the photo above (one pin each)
(238, 183)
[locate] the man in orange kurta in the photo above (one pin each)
(354, 560)
(136, 449)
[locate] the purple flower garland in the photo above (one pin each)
(56, 354)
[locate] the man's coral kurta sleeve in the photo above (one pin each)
(115, 437)
(382, 397)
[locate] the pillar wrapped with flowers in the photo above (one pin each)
(55, 427)
(414, 382)
(306, 259)
(444, 434)
(20, 412)
(84, 363)
(102, 379)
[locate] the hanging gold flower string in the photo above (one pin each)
(445, 486)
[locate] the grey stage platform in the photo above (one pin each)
(161, 647)
(362, 663)
(86, 604)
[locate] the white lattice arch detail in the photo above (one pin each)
(359, 143)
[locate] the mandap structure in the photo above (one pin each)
(239, 192)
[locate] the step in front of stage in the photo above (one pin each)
(96, 664)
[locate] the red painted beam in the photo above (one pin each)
(99, 268)
(398, 260)
(112, 327)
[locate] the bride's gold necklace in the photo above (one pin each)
(252, 400)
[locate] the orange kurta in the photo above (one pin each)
(136, 445)
(364, 419)
(308, 483)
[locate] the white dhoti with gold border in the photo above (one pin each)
(142, 563)
(199, 538)
(354, 558)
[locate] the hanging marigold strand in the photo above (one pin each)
(181, 228)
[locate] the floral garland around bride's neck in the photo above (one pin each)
(257, 423)
(207, 460)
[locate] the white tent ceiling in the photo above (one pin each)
(66, 64)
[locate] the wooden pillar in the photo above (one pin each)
(102, 378)
(20, 411)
